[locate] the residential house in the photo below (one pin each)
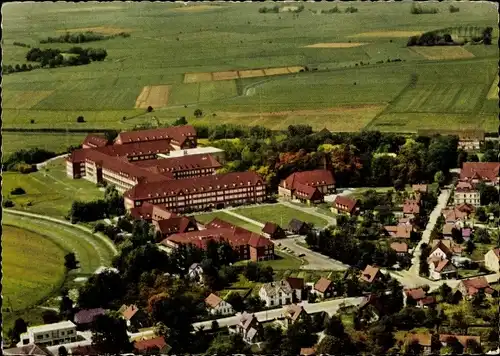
(492, 260)
(455, 216)
(249, 328)
(85, 317)
(370, 274)
(154, 346)
(401, 248)
(345, 205)
(476, 172)
(462, 339)
(218, 306)
(135, 317)
(175, 225)
(418, 297)
(466, 233)
(424, 340)
(293, 313)
(324, 288)
(411, 208)
(309, 186)
(371, 309)
(466, 208)
(273, 231)
(195, 272)
(448, 230)
(276, 293)
(470, 140)
(466, 193)
(420, 188)
(470, 287)
(308, 351)
(298, 227)
(28, 350)
(445, 249)
(49, 334)
(405, 221)
(401, 231)
(441, 268)
(297, 284)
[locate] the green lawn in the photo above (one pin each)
(27, 280)
(206, 218)
(55, 142)
(50, 191)
(219, 37)
(280, 215)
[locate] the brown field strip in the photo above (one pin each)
(100, 29)
(387, 34)
(276, 71)
(336, 45)
(194, 8)
(229, 75)
(251, 73)
(197, 77)
(295, 69)
(493, 93)
(155, 96)
(442, 52)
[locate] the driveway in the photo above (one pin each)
(316, 261)
(441, 204)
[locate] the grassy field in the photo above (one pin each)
(55, 142)
(279, 214)
(353, 88)
(28, 282)
(50, 191)
(206, 218)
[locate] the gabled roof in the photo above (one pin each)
(480, 170)
(210, 183)
(179, 164)
(399, 231)
(296, 224)
(465, 187)
(176, 224)
(130, 312)
(295, 283)
(86, 316)
(370, 273)
(315, 178)
(441, 245)
(411, 207)
(294, 311)
(473, 285)
(401, 247)
(307, 191)
(274, 288)
(466, 208)
(213, 300)
(345, 203)
(246, 320)
(440, 264)
(270, 228)
(322, 284)
(461, 338)
(177, 133)
(257, 241)
(415, 294)
(146, 344)
(32, 350)
(95, 140)
(145, 211)
(453, 215)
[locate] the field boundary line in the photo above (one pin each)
(106, 240)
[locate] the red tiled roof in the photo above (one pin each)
(145, 211)
(345, 201)
(212, 300)
(315, 178)
(322, 285)
(257, 241)
(464, 187)
(465, 208)
(415, 294)
(296, 283)
(183, 163)
(197, 184)
(422, 339)
(307, 351)
(294, 311)
(438, 263)
(399, 247)
(95, 140)
(130, 312)
(306, 191)
(461, 338)
(428, 300)
(270, 228)
(411, 207)
(399, 231)
(143, 345)
(176, 224)
(480, 170)
(177, 133)
(454, 215)
(475, 284)
(448, 228)
(370, 273)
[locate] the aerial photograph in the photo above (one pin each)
(267, 178)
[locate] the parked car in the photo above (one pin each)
(302, 255)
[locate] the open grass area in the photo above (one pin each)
(206, 218)
(55, 142)
(279, 214)
(342, 95)
(48, 192)
(28, 282)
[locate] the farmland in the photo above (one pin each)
(55, 142)
(229, 60)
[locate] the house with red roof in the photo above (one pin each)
(424, 340)
(174, 225)
(470, 287)
(134, 316)
(273, 231)
(492, 260)
(475, 172)
(156, 345)
(418, 297)
(218, 306)
(401, 248)
(93, 141)
(371, 274)
(441, 268)
(411, 207)
(345, 205)
(466, 193)
(307, 186)
(324, 288)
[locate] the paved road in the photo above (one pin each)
(441, 204)
(43, 164)
(106, 240)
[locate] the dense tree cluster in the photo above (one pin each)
(454, 9)
(29, 156)
(8, 68)
(417, 9)
(74, 56)
(111, 205)
(82, 37)
(443, 37)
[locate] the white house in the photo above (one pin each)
(218, 306)
(492, 260)
(276, 293)
(441, 268)
(195, 272)
(49, 334)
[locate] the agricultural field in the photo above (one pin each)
(229, 59)
(279, 214)
(49, 191)
(55, 142)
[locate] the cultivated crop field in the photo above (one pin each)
(55, 142)
(229, 58)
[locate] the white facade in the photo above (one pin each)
(49, 334)
(472, 197)
(438, 253)
(223, 308)
(491, 261)
(216, 152)
(277, 297)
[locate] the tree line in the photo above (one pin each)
(111, 205)
(81, 37)
(24, 158)
(417, 9)
(444, 37)
(9, 68)
(74, 56)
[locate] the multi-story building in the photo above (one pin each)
(49, 334)
(180, 137)
(246, 244)
(475, 172)
(184, 166)
(93, 141)
(214, 151)
(492, 260)
(214, 191)
(276, 293)
(308, 185)
(466, 193)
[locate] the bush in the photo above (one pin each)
(149, 109)
(198, 113)
(18, 191)
(8, 203)
(351, 9)
(80, 119)
(25, 168)
(454, 9)
(32, 121)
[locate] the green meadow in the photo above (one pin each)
(352, 86)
